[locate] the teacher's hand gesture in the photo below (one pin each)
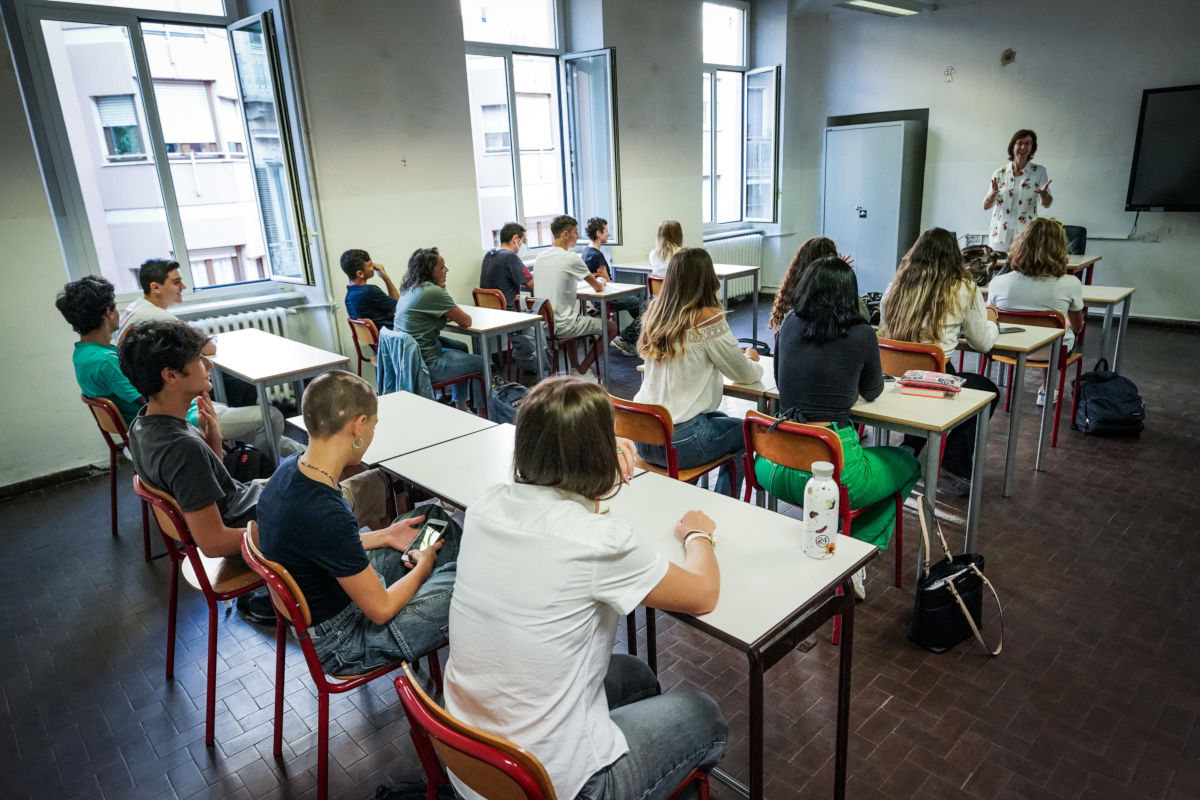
(996, 186)
(1044, 193)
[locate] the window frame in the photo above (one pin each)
(777, 71)
(56, 160)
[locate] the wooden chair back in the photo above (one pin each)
(897, 357)
(108, 419)
(792, 444)
(492, 766)
(489, 298)
(1038, 319)
(642, 422)
(285, 592)
(547, 315)
(166, 511)
(654, 284)
(365, 334)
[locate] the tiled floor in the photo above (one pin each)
(1096, 695)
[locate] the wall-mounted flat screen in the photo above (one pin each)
(1165, 175)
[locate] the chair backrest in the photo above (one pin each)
(793, 444)
(489, 298)
(285, 592)
(166, 511)
(899, 357)
(364, 332)
(654, 284)
(109, 420)
(1038, 319)
(494, 767)
(547, 315)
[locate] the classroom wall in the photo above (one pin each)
(1077, 80)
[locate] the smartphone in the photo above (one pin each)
(1010, 328)
(889, 378)
(431, 533)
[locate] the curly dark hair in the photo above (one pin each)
(352, 261)
(594, 226)
(806, 254)
(151, 347)
(83, 303)
(421, 265)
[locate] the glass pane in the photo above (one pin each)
(589, 104)
(214, 7)
(96, 80)
(516, 22)
(724, 35)
(761, 104)
(729, 146)
(535, 81)
(706, 150)
(487, 88)
(270, 161)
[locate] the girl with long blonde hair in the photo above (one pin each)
(689, 349)
(667, 242)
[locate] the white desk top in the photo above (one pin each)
(1025, 341)
(1078, 262)
(1105, 295)
(258, 356)
(609, 291)
(493, 320)
(409, 422)
(764, 387)
(641, 266)
(926, 413)
(734, 270)
(765, 576)
(461, 469)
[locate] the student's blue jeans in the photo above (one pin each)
(703, 438)
(453, 363)
(668, 735)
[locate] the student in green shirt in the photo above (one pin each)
(89, 305)
(423, 310)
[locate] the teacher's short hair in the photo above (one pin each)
(565, 440)
(334, 398)
(1021, 134)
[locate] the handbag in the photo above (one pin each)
(981, 261)
(948, 606)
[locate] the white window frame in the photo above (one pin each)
(23, 21)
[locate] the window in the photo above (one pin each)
(554, 111)
(738, 154)
(163, 139)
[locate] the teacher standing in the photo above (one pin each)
(1017, 188)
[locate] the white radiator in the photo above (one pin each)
(745, 249)
(272, 320)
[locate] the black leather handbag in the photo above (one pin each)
(948, 607)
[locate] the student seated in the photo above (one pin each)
(667, 241)
(556, 274)
(364, 301)
(162, 287)
(369, 605)
(597, 233)
(89, 305)
(423, 310)
(688, 348)
(165, 361)
(809, 252)
(826, 356)
(546, 578)
(503, 269)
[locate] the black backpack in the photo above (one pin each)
(246, 463)
(1109, 405)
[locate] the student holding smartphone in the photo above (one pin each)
(547, 576)
(369, 604)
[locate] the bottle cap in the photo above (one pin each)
(822, 469)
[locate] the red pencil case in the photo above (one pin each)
(927, 379)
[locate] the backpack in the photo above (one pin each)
(980, 260)
(1109, 405)
(246, 463)
(504, 400)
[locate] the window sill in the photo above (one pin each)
(235, 304)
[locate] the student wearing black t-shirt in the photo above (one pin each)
(503, 269)
(597, 233)
(369, 606)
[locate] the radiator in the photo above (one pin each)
(272, 320)
(745, 249)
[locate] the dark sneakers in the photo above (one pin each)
(256, 607)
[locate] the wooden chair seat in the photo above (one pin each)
(224, 575)
(687, 475)
(1035, 363)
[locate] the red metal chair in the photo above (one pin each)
(555, 343)
(651, 424)
(116, 436)
(219, 579)
(654, 284)
(291, 608)
(1042, 319)
(494, 298)
(364, 333)
(490, 765)
(797, 446)
(897, 357)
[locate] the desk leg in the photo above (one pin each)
(1116, 362)
(1014, 425)
(539, 345)
(975, 501)
(480, 340)
(1049, 409)
(218, 383)
(756, 719)
(725, 293)
(932, 455)
(845, 659)
(1105, 330)
(604, 379)
(754, 322)
(265, 406)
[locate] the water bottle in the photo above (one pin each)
(820, 512)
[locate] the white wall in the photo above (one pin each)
(1077, 80)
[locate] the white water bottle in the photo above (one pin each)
(820, 512)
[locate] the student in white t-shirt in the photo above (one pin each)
(544, 577)
(556, 276)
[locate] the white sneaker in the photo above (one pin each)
(1041, 397)
(859, 580)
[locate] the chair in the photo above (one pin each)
(651, 424)
(219, 579)
(291, 608)
(1043, 319)
(364, 332)
(116, 436)
(897, 357)
(492, 766)
(494, 299)
(796, 446)
(654, 284)
(553, 342)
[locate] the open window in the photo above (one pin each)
(591, 114)
(761, 144)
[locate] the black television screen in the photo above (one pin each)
(1165, 175)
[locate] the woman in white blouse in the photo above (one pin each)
(1016, 189)
(688, 347)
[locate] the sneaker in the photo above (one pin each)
(256, 607)
(954, 484)
(1041, 397)
(859, 581)
(623, 347)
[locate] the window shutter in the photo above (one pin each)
(116, 111)
(184, 111)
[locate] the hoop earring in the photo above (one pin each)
(358, 443)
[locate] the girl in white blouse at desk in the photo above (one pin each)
(688, 347)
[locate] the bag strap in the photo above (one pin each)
(1100, 361)
(921, 511)
(971, 620)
